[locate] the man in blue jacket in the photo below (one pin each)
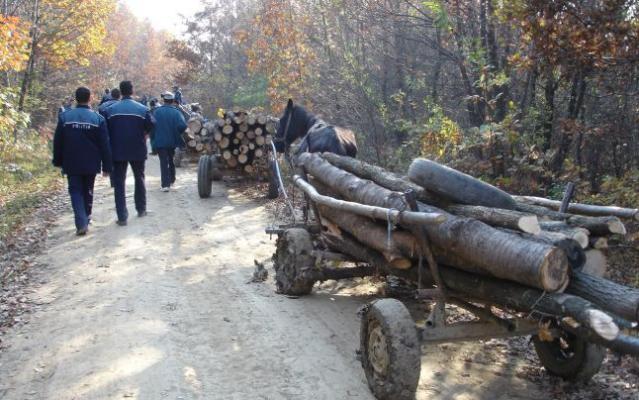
(129, 122)
(166, 136)
(115, 97)
(80, 148)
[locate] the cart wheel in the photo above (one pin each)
(390, 350)
(273, 181)
(570, 357)
(178, 157)
(294, 263)
(204, 177)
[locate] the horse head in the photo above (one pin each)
(294, 124)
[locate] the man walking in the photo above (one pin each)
(115, 97)
(80, 148)
(129, 122)
(166, 136)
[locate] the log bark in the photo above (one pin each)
(578, 234)
(601, 226)
(468, 286)
(515, 220)
(614, 298)
(585, 209)
(402, 245)
(496, 253)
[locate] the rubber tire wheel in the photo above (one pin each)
(457, 186)
(584, 363)
(294, 263)
(204, 177)
(273, 181)
(178, 157)
(403, 350)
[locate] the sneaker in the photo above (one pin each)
(165, 189)
(142, 214)
(82, 231)
(121, 223)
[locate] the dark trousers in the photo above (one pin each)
(81, 192)
(119, 187)
(167, 166)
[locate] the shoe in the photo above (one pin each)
(165, 189)
(142, 214)
(121, 223)
(82, 231)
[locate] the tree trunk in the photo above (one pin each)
(496, 253)
(617, 299)
(598, 226)
(585, 209)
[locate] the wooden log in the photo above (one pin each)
(243, 128)
(381, 177)
(585, 209)
(232, 162)
(270, 128)
(598, 226)
(251, 119)
(261, 119)
(259, 153)
(578, 234)
(380, 213)
(192, 143)
(573, 250)
(228, 129)
(239, 135)
(218, 136)
(224, 143)
(242, 159)
(612, 297)
(199, 147)
(498, 217)
(249, 169)
(250, 135)
(204, 132)
(596, 263)
(260, 140)
(397, 252)
(251, 146)
(465, 285)
(268, 139)
(258, 131)
(457, 186)
(235, 152)
(227, 155)
(496, 253)
(244, 149)
(194, 125)
(599, 242)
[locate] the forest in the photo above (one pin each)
(528, 95)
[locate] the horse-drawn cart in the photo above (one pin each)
(369, 226)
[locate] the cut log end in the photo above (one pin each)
(529, 224)
(552, 274)
(603, 324)
(617, 227)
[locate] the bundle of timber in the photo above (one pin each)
(243, 138)
(483, 233)
(199, 135)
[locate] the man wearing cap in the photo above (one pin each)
(166, 136)
(115, 97)
(80, 148)
(129, 122)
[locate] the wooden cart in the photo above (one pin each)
(391, 341)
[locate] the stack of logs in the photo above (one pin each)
(525, 255)
(243, 138)
(199, 135)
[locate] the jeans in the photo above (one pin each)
(167, 166)
(119, 187)
(81, 192)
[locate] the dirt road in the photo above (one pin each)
(162, 309)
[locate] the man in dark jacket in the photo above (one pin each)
(80, 148)
(106, 97)
(129, 122)
(115, 97)
(166, 136)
